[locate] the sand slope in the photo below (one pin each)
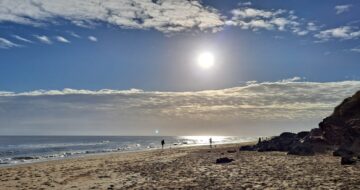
(185, 168)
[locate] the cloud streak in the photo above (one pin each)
(342, 8)
(43, 39)
(62, 39)
(356, 49)
(22, 39)
(6, 44)
(92, 38)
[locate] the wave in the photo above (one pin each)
(36, 152)
(30, 159)
(54, 145)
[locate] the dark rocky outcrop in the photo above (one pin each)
(302, 150)
(347, 160)
(285, 142)
(302, 134)
(224, 160)
(280, 143)
(247, 148)
(343, 152)
(231, 151)
(340, 132)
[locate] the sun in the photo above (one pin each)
(206, 60)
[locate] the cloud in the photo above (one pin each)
(93, 38)
(294, 79)
(258, 24)
(342, 8)
(357, 50)
(62, 39)
(312, 26)
(43, 39)
(73, 34)
(289, 101)
(22, 39)
(279, 37)
(6, 44)
(251, 13)
(255, 19)
(302, 33)
(343, 32)
(248, 3)
(165, 16)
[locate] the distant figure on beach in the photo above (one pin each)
(210, 141)
(162, 144)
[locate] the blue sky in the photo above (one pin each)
(153, 46)
(125, 57)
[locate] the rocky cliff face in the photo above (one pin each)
(340, 131)
(342, 128)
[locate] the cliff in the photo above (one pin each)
(340, 132)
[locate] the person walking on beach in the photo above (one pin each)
(162, 144)
(210, 141)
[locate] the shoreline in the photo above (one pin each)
(84, 156)
(185, 168)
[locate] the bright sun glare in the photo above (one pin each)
(206, 60)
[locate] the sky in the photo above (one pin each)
(131, 67)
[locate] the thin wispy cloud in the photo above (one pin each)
(311, 26)
(357, 49)
(6, 44)
(327, 53)
(302, 33)
(248, 3)
(22, 39)
(62, 39)
(279, 37)
(73, 34)
(43, 39)
(342, 8)
(92, 38)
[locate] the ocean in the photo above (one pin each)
(27, 149)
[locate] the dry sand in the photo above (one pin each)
(185, 168)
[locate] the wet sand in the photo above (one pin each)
(185, 168)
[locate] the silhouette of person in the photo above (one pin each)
(210, 140)
(162, 144)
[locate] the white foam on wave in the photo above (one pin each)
(80, 149)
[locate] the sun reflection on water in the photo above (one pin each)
(205, 139)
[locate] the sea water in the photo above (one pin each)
(27, 149)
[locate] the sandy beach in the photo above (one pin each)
(185, 168)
